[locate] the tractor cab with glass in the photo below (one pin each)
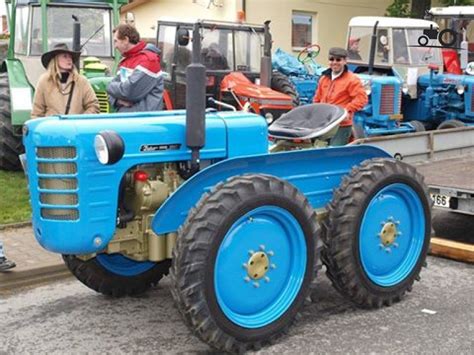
(238, 66)
(458, 23)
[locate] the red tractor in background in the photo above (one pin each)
(237, 57)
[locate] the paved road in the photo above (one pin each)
(66, 317)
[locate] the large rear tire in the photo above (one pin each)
(377, 232)
(280, 82)
(115, 275)
(10, 144)
(244, 261)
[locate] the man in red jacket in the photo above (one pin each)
(340, 87)
(138, 85)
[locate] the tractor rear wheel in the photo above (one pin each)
(10, 144)
(280, 82)
(244, 262)
(451, 124)
(377, 232)
(115, 275)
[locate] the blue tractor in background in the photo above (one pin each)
(127, 198)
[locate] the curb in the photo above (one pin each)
(15, 225)
(11, 280)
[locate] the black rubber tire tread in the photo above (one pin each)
(10, 144)
(92, 274)
(193, 250)
(419, 126)
(340, 252)
(451, 124)
(281, 83)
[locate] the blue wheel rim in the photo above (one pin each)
(121, 265)
(388, 265)
(277, 233)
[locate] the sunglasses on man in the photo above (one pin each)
(335, 59)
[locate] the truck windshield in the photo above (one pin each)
(60, 27)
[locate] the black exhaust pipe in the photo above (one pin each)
(195, 102)
(266, 61)
(76, 39)
(373, 44)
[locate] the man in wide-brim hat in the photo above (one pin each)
(61, 90)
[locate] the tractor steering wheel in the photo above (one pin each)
(309, 53)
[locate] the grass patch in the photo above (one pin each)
(14, 198)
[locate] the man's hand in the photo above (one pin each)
(124, 103)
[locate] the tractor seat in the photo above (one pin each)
(307, 122)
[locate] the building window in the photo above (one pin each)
(301, 30)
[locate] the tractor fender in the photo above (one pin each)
(21, 91)
(315, 173)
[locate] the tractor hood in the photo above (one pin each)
(446, 79)
(61, 160)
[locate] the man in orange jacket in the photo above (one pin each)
(340, 87)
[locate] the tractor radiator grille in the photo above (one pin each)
(57, 183)
(387, 106)
(103, 98)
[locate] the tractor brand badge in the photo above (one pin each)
(447, 38)
(451, 81)
(145, 148)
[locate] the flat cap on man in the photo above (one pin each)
(338, 52)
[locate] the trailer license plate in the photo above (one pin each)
(440, 200)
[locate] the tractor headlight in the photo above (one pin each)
(460, 89)
(405, 88)
(367, 86)
(109, 147)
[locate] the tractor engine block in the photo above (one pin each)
(145, 189)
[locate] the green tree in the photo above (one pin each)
(399, 8)
(419, 8)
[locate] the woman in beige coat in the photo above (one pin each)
(62, 85)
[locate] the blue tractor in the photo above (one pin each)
(401, 68)
(127, 198)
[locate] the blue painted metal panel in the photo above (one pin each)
(98, 185)
(314, 172)
(246, 135)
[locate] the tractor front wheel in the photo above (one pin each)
(377, 232)
(280, 82)
(244, 261)
(10, 144)
(115, 275)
